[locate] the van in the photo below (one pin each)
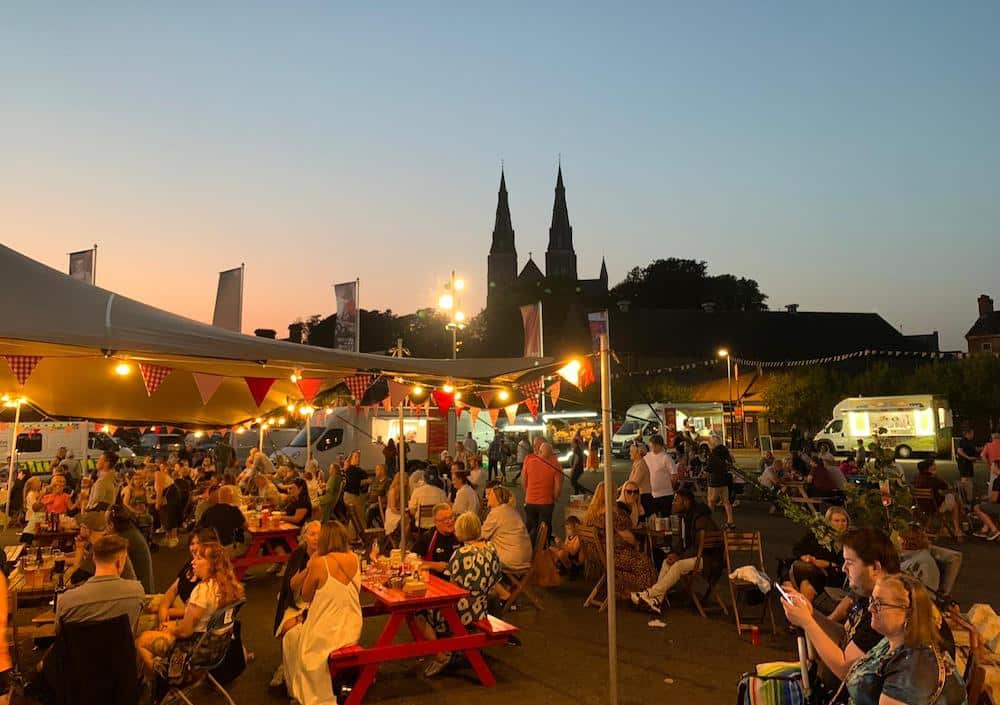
(910, 424)
(38, 443)
(645, 420)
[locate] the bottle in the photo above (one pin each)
(38, 556)
(59, 589)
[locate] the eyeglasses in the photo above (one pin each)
(631, 491)
(876, 606)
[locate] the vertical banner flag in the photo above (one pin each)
(229, 300)
(345, 336)
(598, 322)
(83, 265)
(531, 315)
(554, 390)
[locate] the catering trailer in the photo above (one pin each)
(911, 424)
(38, 442)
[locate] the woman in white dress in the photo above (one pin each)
(331, 586)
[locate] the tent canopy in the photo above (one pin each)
(81, 332)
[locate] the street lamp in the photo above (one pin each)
(451, 302)
(729, 379)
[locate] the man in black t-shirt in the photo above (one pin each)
(227, 520)
(967, 454)
(435, 546)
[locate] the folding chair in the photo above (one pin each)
(425, 516)
(207, 655)
(930, 519)
(745, 548)
(707, 541)
(592, 546)
(525, 579)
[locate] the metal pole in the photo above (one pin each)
(357, 310)
(309, 447)
(729, 380)
(260, 436)
(454, 323)
(401, 450)
(13, 455)
(609, 525)
(243, 274)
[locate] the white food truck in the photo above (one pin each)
(911, 424)
(38, 442)
(645, 420)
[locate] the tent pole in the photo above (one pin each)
(401, 451)
(309, 447)
(260, 437)
(13, 456)
(609, 522)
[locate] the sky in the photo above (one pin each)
(845, 155)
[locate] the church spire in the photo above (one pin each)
(604, 273)
(501, 265)
(560, 259)
(503, 230)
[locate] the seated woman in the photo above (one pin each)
(393, 512)
(217, 588)
(298, 508)
(988, 510)
(633, 570)
(474, 566)
(330, 585)
(175, 599)
(504, 528)
(290, 602)
(820, 564)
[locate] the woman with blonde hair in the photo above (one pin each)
(505, 529)
(633, 569)
(217, 588)
(819, 562)
(331, 585)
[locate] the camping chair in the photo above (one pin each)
(425, 517)
(592, 546)
(707, 540)
(207, 654)
(524, 579)
(926, 510)
(745, 548)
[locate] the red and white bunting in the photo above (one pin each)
(554, 390)
(427, 407)
(22, 365)
(494, 415)
(207, 385)
(487, 396)
(443, 400)
(259, 387)
(532, 404)
(511, 411)
(387, 404)
(459, 408)
(398, 392)
(531, 389)
(153, 376)
(309, 386)
(474, 414)
(359, 384)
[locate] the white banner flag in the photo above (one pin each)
(346, 335)
(83, 265)
(229, 301)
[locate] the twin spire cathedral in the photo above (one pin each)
(560, 277)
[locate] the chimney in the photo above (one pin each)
(985, 305)
(708, 307)
(266, 333)
(792, 308)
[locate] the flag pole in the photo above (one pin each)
(357, 307)
(93, 267)
(541, 350)
(13, 455)
(243, 271)
(609, 525)
(401, 449)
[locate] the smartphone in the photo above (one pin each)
(784, 595)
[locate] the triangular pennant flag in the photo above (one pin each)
(22, 365)
(358, 384)
(474, 414)
(387, 404)
(511, 411)
(207, 385)
(459, 408)
(494, 415)
(554, 390)
(427, 407)
(531, 389)
(309, 386)
(532, 404)
(153, 376)
(487, 396)
(259, 387)
(443, 400)
(398, 392)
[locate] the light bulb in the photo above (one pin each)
(459, 284)
(294, 377)
(504, 395)
(458, 395)
(291, 408)
(417, 390)
(447, 389)
(459, 316)
(446, 301)
(123, 369)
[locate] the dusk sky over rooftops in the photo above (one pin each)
(845, 156)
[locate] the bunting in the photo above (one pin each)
(494, 415)
(474, 414)
(487, 396)
(459, 408)
(443, 400)
(532, 404)
(387, 404)
(22, 366)
(586, 374)
(309, 386)
(358, 384)
(398, 392)
(511, 411)
(532, 389)
(153, 376)
(259, 387)
(554, 390)
(207, 385)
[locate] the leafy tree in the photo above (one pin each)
(804, 397)
(685, 284)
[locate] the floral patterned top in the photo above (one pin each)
(475, 567)
(909, 675)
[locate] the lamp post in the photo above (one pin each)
(16, 404)
(729, 380)
(451, 302)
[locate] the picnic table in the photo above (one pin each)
(260, 537)
(798, 494)
(653, 538)
(441, 595)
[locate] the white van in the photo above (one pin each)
(645, 420)
(38, 442)
(910, 423)
(342, 430)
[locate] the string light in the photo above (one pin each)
(291, 408)
(458, 395)
(123, 369)
(417, 390)
(447, 388)
(257, 420)
(503, 394)
(198, 434)
(295, 376)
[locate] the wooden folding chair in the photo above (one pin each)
(522, 581)
(927, 513)
(592, 546)
(707, 541)
(745, 548)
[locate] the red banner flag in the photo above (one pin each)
(554, 390)
(259, 387)
(22, 365)
(443, 400)
(153, 376)
(398, 392)
(487, 396)
(586, 375)
(531, 316)
(531, 389)
(309, 386)
(459, 408)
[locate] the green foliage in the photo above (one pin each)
(685, 284)
(805, 397)
(866, 501)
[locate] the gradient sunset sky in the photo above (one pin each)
(846, 155)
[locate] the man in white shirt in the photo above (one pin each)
(661, 476)
(425, 495)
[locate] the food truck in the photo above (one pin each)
(911, 424)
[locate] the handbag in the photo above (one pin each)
(235, 661)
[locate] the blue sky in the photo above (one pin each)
(844, 156)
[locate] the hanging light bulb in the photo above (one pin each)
(417, 390)
(294, 376)
(257, 420)
(291, 408)
(447, 388)
(281, 420)
(458, 395)
(503, 394)
(198, 434)
(123, 369)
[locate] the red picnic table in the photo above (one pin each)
(261, 537)
(442, 596)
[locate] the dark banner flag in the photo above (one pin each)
(347, 334)
(598, 322)
(83, 265)
(531, 316)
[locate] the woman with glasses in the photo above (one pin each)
(633, 570)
